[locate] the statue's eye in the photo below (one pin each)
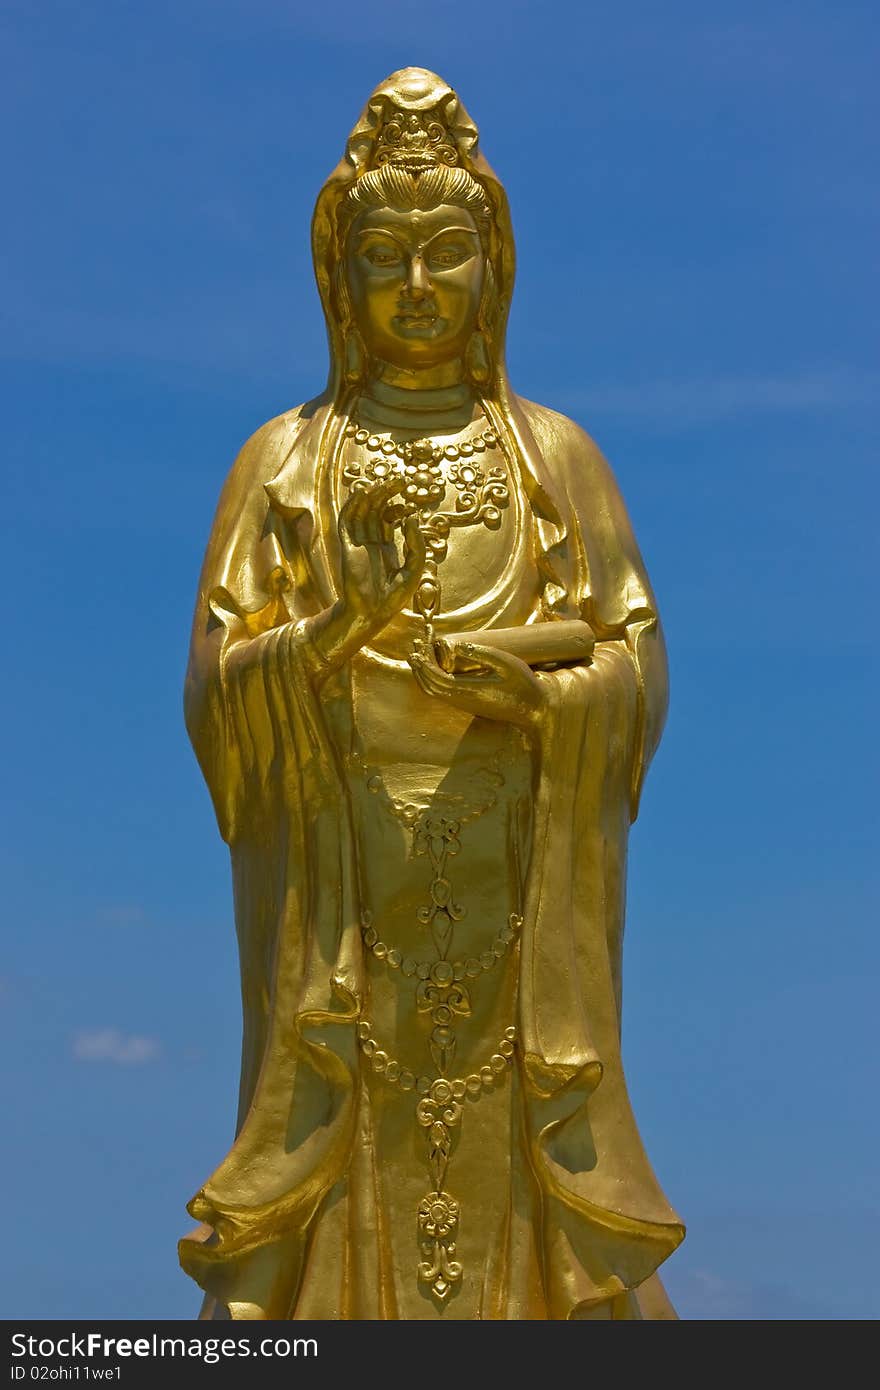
(382, 255)
(448, 257)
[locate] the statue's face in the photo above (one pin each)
(415, 281)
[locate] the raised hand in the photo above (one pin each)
(376, 580)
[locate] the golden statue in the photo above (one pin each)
(426, 679)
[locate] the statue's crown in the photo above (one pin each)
(414, 140)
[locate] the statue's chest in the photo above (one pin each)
(469, 510)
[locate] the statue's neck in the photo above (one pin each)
(429, 401)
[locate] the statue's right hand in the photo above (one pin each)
(377, 580)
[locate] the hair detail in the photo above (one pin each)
(395, 187)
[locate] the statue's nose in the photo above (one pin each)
(418, 282)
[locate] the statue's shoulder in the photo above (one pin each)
(569, 452)
(263, 453)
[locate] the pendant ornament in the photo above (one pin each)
(439, 1112)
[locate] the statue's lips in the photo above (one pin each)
(417, 320)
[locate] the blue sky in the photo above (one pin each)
(695, 198)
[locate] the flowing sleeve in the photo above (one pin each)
(258, 731)
(614, 593)
(597, 569)
(607, 1223)
(253, 589)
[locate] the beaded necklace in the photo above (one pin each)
(427, 470)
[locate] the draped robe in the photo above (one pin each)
(257, 713)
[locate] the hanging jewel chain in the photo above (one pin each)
(439, 1114)
(442, 989)
(426, 469)
(465, 808)
(440, 970)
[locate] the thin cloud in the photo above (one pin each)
(122, 915)
(707, 399)
(702, 1295)
(109, 1045)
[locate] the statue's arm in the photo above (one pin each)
(260, 616)
(249, 588)
(613, 592)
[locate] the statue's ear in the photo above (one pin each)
(354, 353)
(477, 361)
(354, 364)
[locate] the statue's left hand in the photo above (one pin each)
(506, 689)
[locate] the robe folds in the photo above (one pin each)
(256, 715)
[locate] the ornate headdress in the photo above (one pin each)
(415, 141)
